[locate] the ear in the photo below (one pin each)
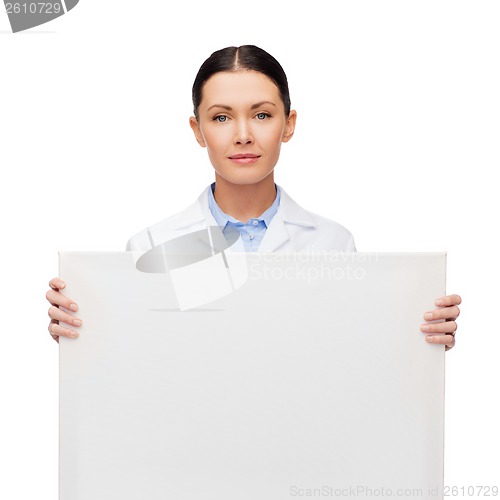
(290, 126)
(193, 123)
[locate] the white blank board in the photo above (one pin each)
(311, 379)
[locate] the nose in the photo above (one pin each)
(243, 134)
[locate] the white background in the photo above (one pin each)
(397, 139)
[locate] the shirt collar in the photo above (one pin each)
(223, 218)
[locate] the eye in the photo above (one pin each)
(262, 116)
(220, 118)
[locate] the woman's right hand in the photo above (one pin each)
(57, 299)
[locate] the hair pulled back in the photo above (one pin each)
(245, 57)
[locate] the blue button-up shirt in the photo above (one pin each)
(253, 230)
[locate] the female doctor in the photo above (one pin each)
(242, 116)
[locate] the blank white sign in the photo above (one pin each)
(311, 379)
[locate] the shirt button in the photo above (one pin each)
(255, 222)
(251, 236)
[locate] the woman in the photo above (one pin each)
(242, 116)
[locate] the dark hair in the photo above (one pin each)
(241, 58)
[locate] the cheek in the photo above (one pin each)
(216, 140)
(272, 138)
(274, 133)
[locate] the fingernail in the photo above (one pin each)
(60, 285)
(77, 322)
(428, 316)
(429, 338)
(73, 335)
(73, 307)
(439, 302)
(425, 328)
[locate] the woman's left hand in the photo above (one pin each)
(448, 310)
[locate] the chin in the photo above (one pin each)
(245, 176)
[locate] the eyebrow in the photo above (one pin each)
(253, 106)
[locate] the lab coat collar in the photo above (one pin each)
(289, 212)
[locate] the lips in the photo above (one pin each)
(244, 158)
(243, 155)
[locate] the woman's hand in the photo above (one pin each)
(448, 310)
(57, 299)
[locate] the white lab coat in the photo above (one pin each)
(292, 229)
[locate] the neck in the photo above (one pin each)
(244, 201)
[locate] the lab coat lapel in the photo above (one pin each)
(198, 216)
(278, 232)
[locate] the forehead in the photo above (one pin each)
(245, 87)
